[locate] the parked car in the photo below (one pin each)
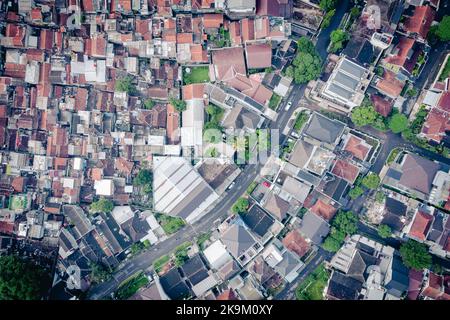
(288, 106)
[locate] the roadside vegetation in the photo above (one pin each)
(343, 224)
(307, 64)
(415, 255)
(130, 286)
(312, 288)
(169, 224)
(301, 119)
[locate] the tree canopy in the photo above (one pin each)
(149, 104)
(101, 205)
(143, 177)
(307, 64)
(338, 37)
(327, 5)
(384, 231)
(21, 279)
(355, 192)
(443, 30)
(327, 18)
(398, 123)
(179, 105)
(345, 221)
(371, 181)
(240, 206)
(364, 115)
(415, 255)
(125, 85)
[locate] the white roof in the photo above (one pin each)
(122, 214)
(217, 254)
(431, 98)
(104, 187)
(152, 222)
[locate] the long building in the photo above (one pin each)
(179, 190)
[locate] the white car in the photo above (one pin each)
(231, 185)
(288, 106)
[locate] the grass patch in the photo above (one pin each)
(393, 155)
(18, 202)
(181, 253)
(274, 102)
(159, 264)
(445, 72)
(202, 239)
(302, 118)
(196, 75)
(131, 286)
(251, 187)
(170, 224)
(313, 286)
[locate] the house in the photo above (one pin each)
(346, 170)
(277, 8)
(366, 270)
(217, 255)
(258, 55)
(277, 206)
(347, 85)
(419, 23)
(357, 146)
(295, 243)
(403, 55)
(179, 190)
(314, 228)
(414, 175)
(394, 214)
(241, 244)
(390, 84)
(324, 130)
(240, 8)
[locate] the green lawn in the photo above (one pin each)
(170, 224)
(445, 72)
(274, 101)
(203, 238)
(196, 75)
(159, 264)
(18, 202)
(313, 286)
(302, 118)
(131, 286)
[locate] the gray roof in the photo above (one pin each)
(324, 129)
(352, 68)
(418, 173)
(301, 153)
(241, 118)
(237, 240)
(314, 227)
(289, 263)
(76, 215)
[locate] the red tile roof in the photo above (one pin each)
(404, 46)
(381, 105)
(185, 38)
(390, 85)
(173, 123)
(421, 225)
(434, 286)
(248, 29)
(444, 101)
(212, 20)
(345, 170)
(421, 20)
(193, 91)
(323, 210)
(357, 147)
(259, 55)
(436, 125)
(227, 295)
(296, 243)
(46, 39)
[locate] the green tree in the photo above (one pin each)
(379, 197)
(99, 272)
(327, 5)
(307, 67)
(355, 192)
(443, 30)
(147, 188)
(179, 105)
(364, 115)
(327, 19)
(398, 123)
(143, 177)
(21, 279)
(346, 221)
(371, 181)
(338, 37)
(305, 45)
(331, 244)
(149, 104)
(101, 205)
(289, 72)
(126, 85)
(240, 206)
(355, 12)
(415, 255)
(384, 231)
